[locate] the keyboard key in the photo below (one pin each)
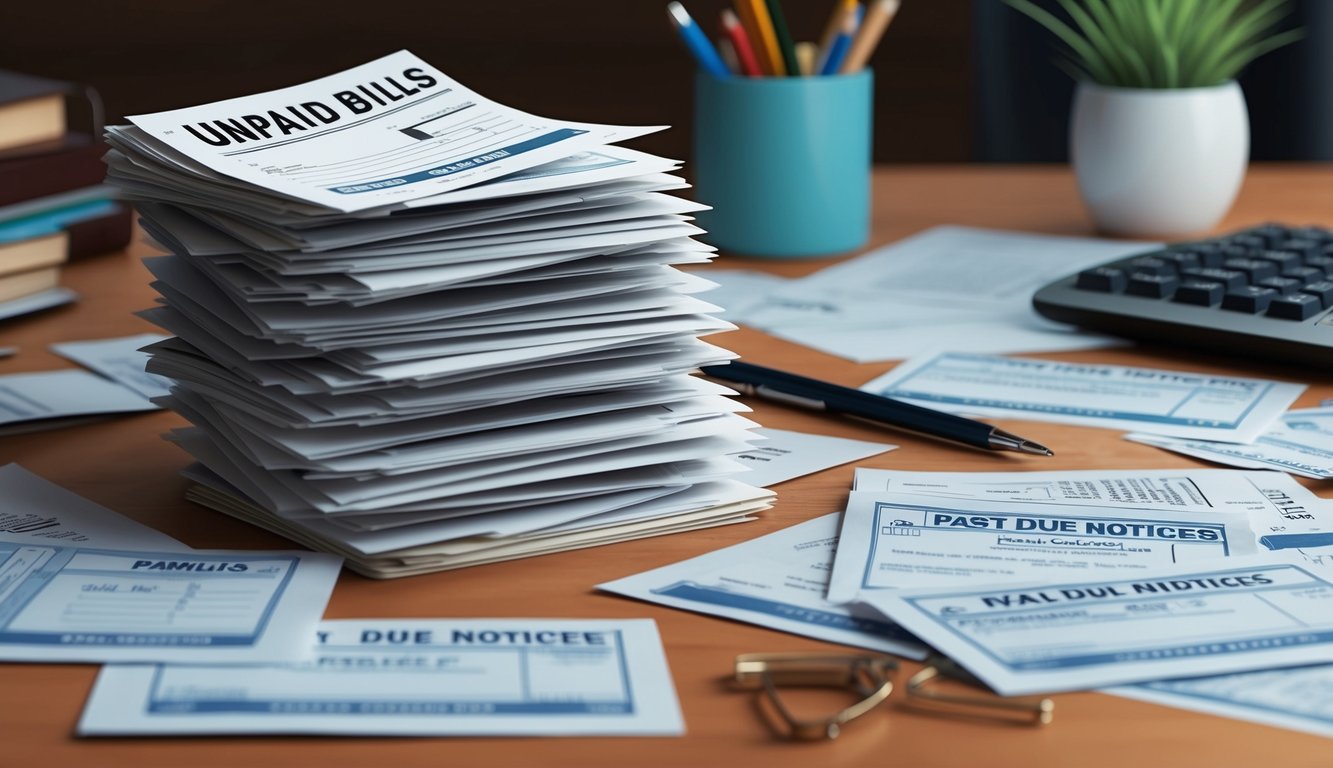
(1183, 259)
(1151, 286)
(1272, 233)
(1301, 247)
(1250, 298)
(1235, 252)
(1283, 285)
(1254, 269)
(1253, 242)
(1283, 259)
(1321, 262)
(1295, 306)
(1318, 234)
(1200, 292)
(1102, 279)
(1322, 289)
(1227, 277)
(1210, 254)
(1305, 274)
(1152, 265)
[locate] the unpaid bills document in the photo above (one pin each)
(1172, 403)
(776, 581)
(1054, 635)
(62, 603)
(392, 130)
(412, 677)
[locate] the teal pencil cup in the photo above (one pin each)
(785, 163)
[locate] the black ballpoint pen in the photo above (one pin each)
(803, 392)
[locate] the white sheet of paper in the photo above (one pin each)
(1300, 443)
(57, 394)
(1064, 635)
(891, 540)
(36, 302)
(1282, 512)
(776, 581)
(390, 130)
(118, 359)
(61, 603)
(948, 288)
(1298, 698)
(413, 677)
(1112, 396)
(38, 511)
(786, 455)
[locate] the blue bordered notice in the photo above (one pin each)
(85, 604)
(1175, 403)
(1254, 613)
(413, 677)
(892, 540)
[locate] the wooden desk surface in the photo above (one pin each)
(123, 464)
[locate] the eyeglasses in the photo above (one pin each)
(870, 678)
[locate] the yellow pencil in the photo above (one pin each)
(759, 26)
(835, 24)
(876, 20)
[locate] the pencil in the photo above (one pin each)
(785, 47)
(805, 56)
(877, 19)
(740, 43)
(754, 16)
(838, 50)
(834, 26)
(695, 40)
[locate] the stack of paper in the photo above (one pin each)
(424, 330)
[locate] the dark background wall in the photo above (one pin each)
(955, 79)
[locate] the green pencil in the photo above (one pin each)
(784, 38)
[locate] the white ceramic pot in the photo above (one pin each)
(1160, 163)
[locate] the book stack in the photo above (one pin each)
(493, 365)
(53, 203)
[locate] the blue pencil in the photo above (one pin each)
(697, 42)
(840, 45)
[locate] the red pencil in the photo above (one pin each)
(731, 27)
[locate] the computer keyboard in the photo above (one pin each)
(1262, 292)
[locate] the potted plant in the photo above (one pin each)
(1159, 135)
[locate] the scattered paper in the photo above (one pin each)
(891, 540)
(786, 455)
(1056, 635)
(948, 288)
(119, 360)
(776, 581)
(40, 512)
(1300, 443)
(1298, 698)
(413, 677)
(30, 397)
(61, 603)
(1116, 397)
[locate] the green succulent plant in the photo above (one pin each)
(1162, 43)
